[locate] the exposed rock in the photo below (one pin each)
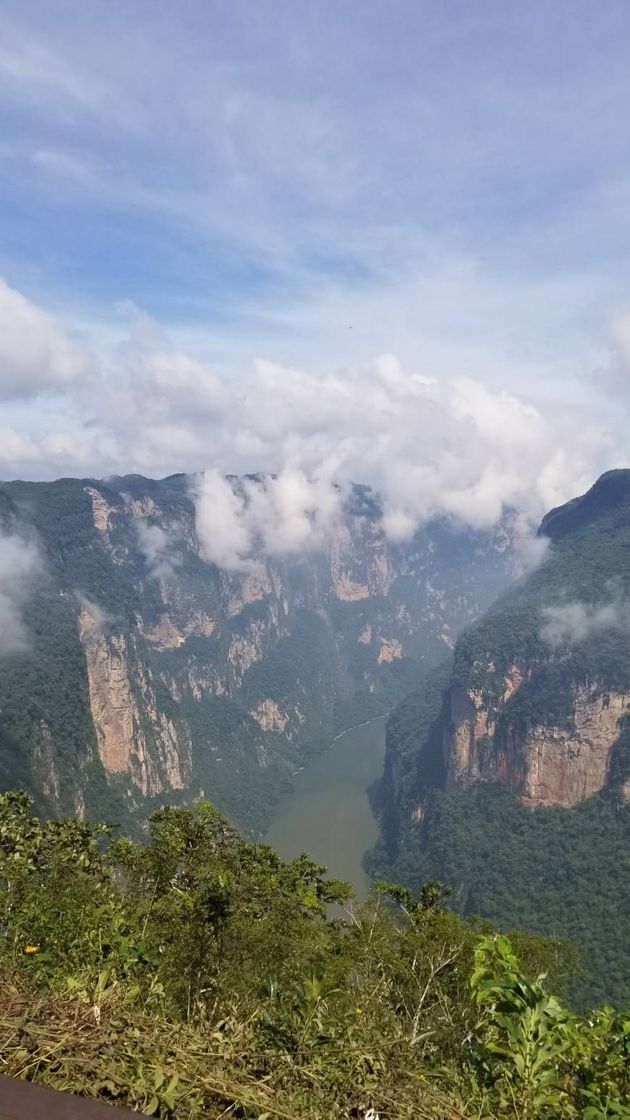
(101, 511)
(544, 765)
(251, 589)
(382, 573)
(122, 742)
(270, 717)
(166, 635)
(45, 763)
(563, 767)
(349, 591)
(391, 650)
(246, 649)
(141, 507)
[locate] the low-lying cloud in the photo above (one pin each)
(426, 448)
(283, 515)
(574, 623)
(159, 548)
(428, 445)
(20, 563)
(98, 615)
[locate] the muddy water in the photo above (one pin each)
(328, 814)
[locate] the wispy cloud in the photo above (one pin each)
(159, 548)
(20, 565)
(571, 624)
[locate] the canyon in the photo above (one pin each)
(150, 674)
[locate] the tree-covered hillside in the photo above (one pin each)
(481, 781)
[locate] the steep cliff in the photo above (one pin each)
(149, 673)
(508, 772)
(541, 686)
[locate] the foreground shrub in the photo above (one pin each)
(198, 975)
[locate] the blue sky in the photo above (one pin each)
(312, 184)
(202, 157)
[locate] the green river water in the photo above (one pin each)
(328, 813)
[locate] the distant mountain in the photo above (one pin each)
(508, 771)
(150, 674)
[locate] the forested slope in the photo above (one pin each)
(507, 771)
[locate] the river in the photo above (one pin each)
(328, 814)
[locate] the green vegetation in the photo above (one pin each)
(553, 871)
(197, 975)
(562, 872)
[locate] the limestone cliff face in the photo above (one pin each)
(125, 720)
(544, 764)
(361, 565)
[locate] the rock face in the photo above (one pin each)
(155, 674)
(546, 708)
(270, 716)
(544, 764)
(133, 736)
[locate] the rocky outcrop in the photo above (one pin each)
(101, 511)
(45, 764)
(246, 649)
(391, 650)
(250, 588)
(544, 764)
(270, 716)
(154, 763)
(562, 767)
(360, 563)
(167, 635)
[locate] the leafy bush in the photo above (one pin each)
(197, 975)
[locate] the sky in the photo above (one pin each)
(384, 241)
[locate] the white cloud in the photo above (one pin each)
(99, 616)
(36, 354)
(159, 548)
(531, 550)
(20, 563)
(573, 623)
(224, 537)
(442, 445)
(237, 521)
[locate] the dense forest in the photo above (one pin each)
(196, 974)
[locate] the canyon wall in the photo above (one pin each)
(183, 678)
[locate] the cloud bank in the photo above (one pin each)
(282, 515)
(428, 444)
(36, 354)
(574, 623)
(20, 563)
